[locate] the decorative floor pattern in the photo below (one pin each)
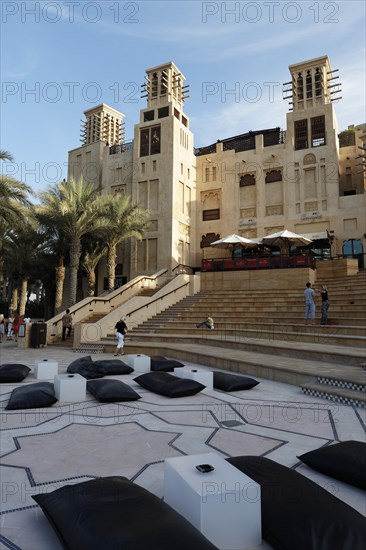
(42, 450)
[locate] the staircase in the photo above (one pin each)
(262, 333)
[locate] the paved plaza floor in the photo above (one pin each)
(44, 449)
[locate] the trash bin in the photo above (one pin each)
(38, 335)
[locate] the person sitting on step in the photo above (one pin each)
(209, 323)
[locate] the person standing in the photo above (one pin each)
(66, 324)
(121, 330)
(10, 327)
(325, 304)
(16, 324)
(2, 327)
(309, 295)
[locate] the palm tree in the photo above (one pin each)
(57, 249)
(93, 251)
(24, 246)
(13, 201)
(125, 220)
(75, 207)
(5, 155)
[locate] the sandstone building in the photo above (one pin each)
(305, 178)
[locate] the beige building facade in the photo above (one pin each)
(304, 178)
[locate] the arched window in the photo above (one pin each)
(209, 238)
(318, 82)
(273, 175)
(247, 179)
(300, 86)
(309, 85)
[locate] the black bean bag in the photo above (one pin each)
(169, 385)
(86, 367)
(110, 391)
(32, 396)
(116, 514)
(345, 461)
(13, 372)
(232, 382)
(298, 514)
(112, 366)
(158, 363)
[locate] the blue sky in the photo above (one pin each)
(59, 58)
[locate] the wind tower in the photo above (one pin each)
(165, 166)
(312, 147)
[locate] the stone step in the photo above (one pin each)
(348, 324)
(335, 393)
(297, 371)
(249, 318)
(320, 352)
(219, 308)
(313, 335)
(254, 329)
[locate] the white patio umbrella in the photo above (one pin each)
(286, 238)
(234, 241)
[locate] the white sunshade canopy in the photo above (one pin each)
(286, 238)
(233, 240)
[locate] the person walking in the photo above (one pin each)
(209, 323)
(121, 330)
(10, 327)
(325, 304)
(309, 294)
(66, 324)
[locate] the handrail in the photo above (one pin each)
(138, 312)
(159, 298)
(113, 296)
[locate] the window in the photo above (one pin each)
(163, 112)
(176, 114)
(318, 83)
(184, 121)
(300, 86)
(149, 115)
(144, 142)
(318, 131)
(154, 85)
(213, 214)
(247, 179)
(150, 141)
(164, 83)
(309, 85)
(301, 134)
(273, 175)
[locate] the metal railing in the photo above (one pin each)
(257, 262)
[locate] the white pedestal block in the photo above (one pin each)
(223, 504)
(205, 377)
(46, 370)
(139, 362)
(70, 387)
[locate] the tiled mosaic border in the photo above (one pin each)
(332, 397)
(342, 384)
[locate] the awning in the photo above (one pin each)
(316, 236)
